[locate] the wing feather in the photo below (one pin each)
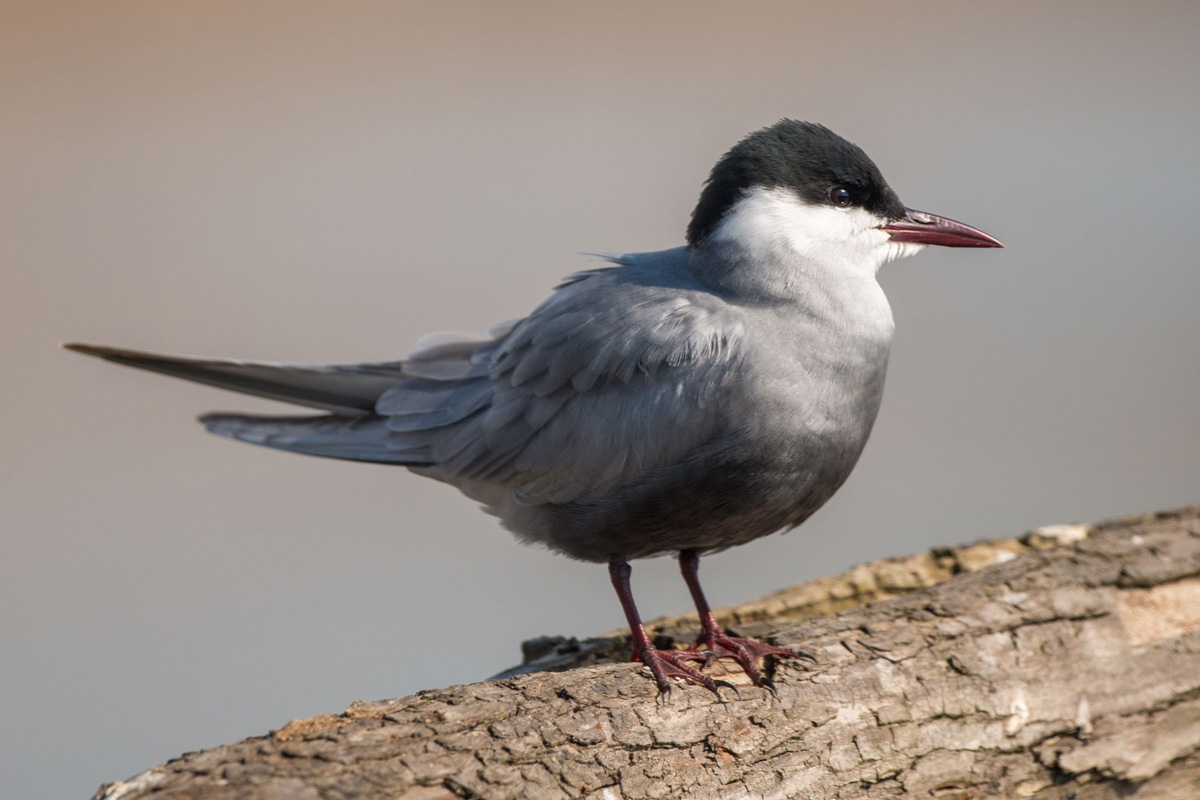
(606, 380)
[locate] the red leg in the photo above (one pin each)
(664, 664)
(745, 651)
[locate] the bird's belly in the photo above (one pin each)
(792, 444)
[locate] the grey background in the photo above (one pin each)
(326, 182)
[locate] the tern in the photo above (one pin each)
(681, 401)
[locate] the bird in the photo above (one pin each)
(682, 401)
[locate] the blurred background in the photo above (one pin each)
(323, 182)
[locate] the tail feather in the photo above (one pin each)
(345, 389)
(356, 438)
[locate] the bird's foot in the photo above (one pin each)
(746, 652)
(668, 665)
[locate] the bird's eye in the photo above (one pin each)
(839, 196)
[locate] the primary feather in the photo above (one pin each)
(347, 389)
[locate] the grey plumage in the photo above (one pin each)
(588, 425)
(684, 400)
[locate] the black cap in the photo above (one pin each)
(805, 157)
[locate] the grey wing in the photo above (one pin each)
(437, 381)
(608, 379)
(605, 381)
(353, 431)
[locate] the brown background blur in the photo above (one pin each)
(326, 182)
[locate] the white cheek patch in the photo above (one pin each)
(842, 238)
(775, 214)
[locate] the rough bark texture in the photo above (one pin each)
(1064, 665)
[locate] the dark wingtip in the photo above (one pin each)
(87, 349)
(115, 354)
(211, 418)
(225, 424)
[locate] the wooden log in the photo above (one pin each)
(1063, 665)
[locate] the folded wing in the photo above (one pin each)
(606, 381)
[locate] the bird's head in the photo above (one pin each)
(799, 189)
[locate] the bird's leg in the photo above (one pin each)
(713, 637)
(664, 664)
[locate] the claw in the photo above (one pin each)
(668, 664)
(747, 652)
(730, 686)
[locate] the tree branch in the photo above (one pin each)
(1063, 665)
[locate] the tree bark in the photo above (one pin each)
(1064, 664)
